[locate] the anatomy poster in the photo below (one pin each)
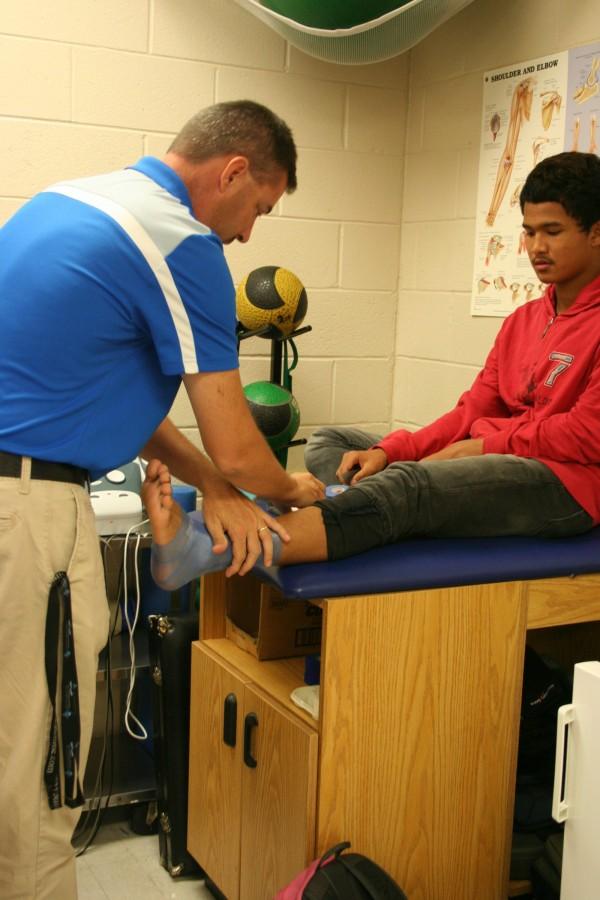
(530, 110)
(583, 99)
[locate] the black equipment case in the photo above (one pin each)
(170, 644)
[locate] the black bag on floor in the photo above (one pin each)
(546, 687)
(170, 644)
(343, 876)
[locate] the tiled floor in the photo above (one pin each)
(121, 865)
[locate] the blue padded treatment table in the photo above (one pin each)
(413, 756)
(444, 562)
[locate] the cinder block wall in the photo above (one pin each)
(381, 230)
(90, 86)
(439, 346)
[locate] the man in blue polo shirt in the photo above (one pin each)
(113, 290)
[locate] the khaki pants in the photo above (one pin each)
(45, 527)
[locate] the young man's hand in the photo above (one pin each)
(458, 450)
(368, 462)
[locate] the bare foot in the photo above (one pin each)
(163, 511)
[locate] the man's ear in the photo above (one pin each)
(233, 172)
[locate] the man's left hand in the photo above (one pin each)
(458, 450)
(229, 515)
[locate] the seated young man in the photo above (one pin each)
(518, 455)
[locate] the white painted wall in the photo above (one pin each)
(381, 229)
(90, 85)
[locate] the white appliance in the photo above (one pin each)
(116, 499)
(576, 800)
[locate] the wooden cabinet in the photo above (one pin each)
(413, 759)
(253, 767)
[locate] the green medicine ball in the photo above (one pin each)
(275, 412)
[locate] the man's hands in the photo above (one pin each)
(308, 489)
(368, 462)
(230, 517)
(471, 447)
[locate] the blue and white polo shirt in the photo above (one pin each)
(110, 291)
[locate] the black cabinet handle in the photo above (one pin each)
(230, 720)
(250, 722)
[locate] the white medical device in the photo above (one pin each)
(116, 499)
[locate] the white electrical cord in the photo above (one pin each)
(142, 734)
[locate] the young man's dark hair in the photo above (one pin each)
(571, 179)
(241, 127)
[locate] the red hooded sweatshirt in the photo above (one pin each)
(538, 396)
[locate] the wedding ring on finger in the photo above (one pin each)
(263, 528)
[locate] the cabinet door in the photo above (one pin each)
(215, 771)
(278, 796)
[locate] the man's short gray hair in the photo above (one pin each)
(241, 127)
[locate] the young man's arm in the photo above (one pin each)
(571, 436)
(458, 450)
(481, 400)
(446, 438)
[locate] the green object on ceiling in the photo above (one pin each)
(332, 14)
(353, 32)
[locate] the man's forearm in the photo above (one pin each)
(256, 470)
(232, 439)
(184, 459)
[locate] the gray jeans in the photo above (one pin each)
(478, 496)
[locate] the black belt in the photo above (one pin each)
(42, 470)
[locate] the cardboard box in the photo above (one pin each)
(261, 621)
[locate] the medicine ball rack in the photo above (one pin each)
(280, 372)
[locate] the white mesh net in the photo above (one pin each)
(370, 42)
